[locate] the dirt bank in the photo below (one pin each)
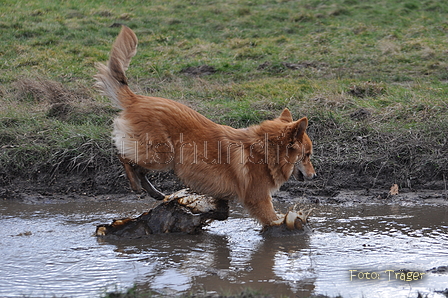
(341, 188)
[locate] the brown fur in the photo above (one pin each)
(161, 134)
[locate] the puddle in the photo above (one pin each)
(48, 250)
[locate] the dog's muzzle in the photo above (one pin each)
(298, 175)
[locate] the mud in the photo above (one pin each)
(342, 187)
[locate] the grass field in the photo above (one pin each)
(372, 77)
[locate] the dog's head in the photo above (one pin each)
(300, 147)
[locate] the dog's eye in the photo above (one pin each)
(293, 146)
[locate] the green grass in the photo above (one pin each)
(375, 70)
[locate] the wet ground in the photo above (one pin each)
(48, 249)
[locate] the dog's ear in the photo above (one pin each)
(298, 128)
(285, 116)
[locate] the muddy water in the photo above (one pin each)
(47, 249)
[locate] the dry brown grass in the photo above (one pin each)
(49, 91)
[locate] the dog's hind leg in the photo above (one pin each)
(134, 180)
(137, 178)
(150, 189)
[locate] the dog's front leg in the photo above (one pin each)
(262, 209)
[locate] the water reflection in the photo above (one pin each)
(231, 255)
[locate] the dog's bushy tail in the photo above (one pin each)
(111, 78)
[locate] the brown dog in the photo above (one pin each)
(160, 134)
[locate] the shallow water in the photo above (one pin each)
(49, 250)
